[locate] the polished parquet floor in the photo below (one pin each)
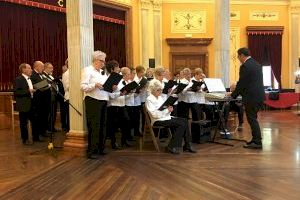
(215, 172)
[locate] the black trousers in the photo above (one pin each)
(184, 110)
(134, 113)
(64, 115)
(24, 118)
(95, 117)
(52, 115)
(180, 128)
(117, 117)
(251, 113)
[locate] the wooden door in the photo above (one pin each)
(191, 61)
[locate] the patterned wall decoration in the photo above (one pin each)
(264, 15)
(192, 21)
(127, 2)
(234, 15)
(234, 46)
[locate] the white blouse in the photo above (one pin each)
(90, 76)
(152, 104)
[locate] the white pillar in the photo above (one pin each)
(145, 32)
(80, 48)
(222, 41)
(157, 24)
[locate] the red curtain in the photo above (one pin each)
(267, 48)
(110, 38)
(28, 34)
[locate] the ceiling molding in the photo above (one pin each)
(188, 1)
(261, 2)
(236, 2)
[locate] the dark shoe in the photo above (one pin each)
(173, 150)
(102, 152)
(138, 134)
(115, 146)
(252, 145)
(91, 155)
(38, 140)
(126, 144)
(189, 148)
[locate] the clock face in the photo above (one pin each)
(188, 22)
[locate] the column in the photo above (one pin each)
(80, 48)
(145, 32)
(157, 23)
(222, 41)
(294, 43)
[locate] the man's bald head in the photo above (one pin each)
(38, 66)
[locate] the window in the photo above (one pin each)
(269, 78)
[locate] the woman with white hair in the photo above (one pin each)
(179, 126)
(95, 99)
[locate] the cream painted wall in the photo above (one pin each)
(283, 21)
(166, 30)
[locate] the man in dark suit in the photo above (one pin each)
(23, 93)
(250, 86)
(40, 117)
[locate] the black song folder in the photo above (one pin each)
(168, 85)
(169, 102)
(142, 84)
(196, 85)
(180, 87)
(129, 87)
(113, 79)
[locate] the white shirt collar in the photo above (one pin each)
(25, 76)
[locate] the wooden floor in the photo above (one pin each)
(215, 172)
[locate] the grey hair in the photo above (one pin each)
(154, 85)
(98, 55)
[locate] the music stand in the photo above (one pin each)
(215, 85)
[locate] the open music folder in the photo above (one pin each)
(129, 87)
(196, 85)
(180, 87)
(142, 84)
(113, 79)
(42, 85)
(169, 102)
(168, 85)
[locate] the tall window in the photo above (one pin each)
(269, 78)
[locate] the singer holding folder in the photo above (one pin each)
(179, 126)
(95, 99)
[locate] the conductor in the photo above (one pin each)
(250, 86)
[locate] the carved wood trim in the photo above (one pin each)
(188, 47)
(264, 30)
(189, 41)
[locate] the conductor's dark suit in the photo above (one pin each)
(23, 105)
(250, 86)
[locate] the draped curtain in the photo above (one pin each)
(28, 34)
(267, 49)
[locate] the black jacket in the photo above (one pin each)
(22, 94)
(250, 85)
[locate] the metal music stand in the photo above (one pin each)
(221, 120)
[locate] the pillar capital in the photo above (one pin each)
(157, 4)
(146, 4)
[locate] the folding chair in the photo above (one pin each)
(155, 139)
